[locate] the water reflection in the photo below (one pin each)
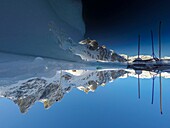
(50, 90)
(25, 93)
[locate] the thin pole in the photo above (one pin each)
(138, 45)
(153, 54)
(153, 83)
(159, 39)
(138, 87)
(160, 80)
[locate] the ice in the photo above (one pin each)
(25, 30)
(14, 68)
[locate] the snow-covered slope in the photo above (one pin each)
(25, 26)
(15, 67)
(48, 28)
(87, 50)
(50, 90)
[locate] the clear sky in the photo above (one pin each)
(117, 23)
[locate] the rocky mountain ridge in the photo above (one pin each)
(48, 91)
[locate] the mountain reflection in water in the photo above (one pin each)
(50, 90)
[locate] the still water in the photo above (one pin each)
(87, 98)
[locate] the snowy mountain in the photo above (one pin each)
(146, 74)
(48, 29)
(50, 90)
(93, 51)
(43, 54)
(87, 50)
(143, 57)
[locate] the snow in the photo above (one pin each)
(16, 67)
(145, 74)
(50, 90)
(143, 57)
(25, 26)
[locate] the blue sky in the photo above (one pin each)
(118, 23)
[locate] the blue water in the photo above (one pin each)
(115, 105)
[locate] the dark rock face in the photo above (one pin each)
(117, 57)
(101, 53)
